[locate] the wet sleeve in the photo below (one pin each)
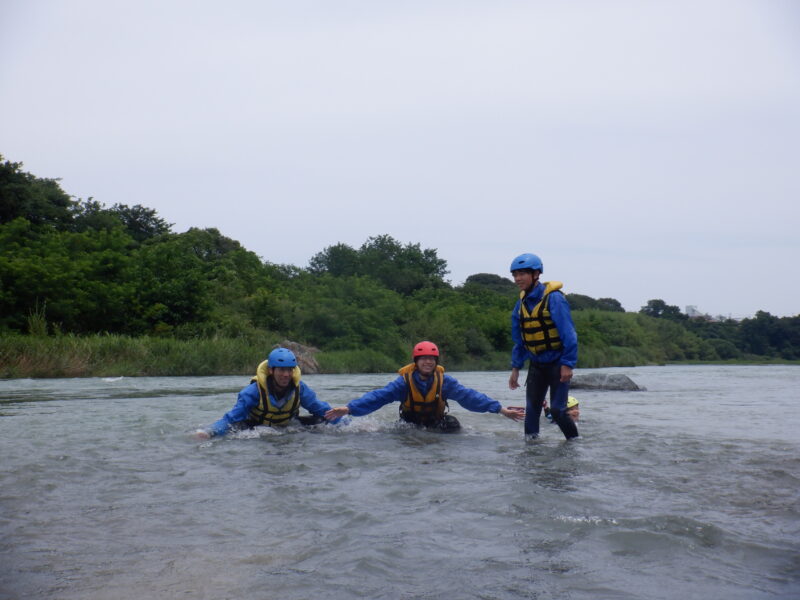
(309, 401)
(246, 400)
(372, 401)
(519, 353)
(562, 317)
(467, 397)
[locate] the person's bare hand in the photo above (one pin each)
(337, 412)
(513, 380)
(515, 413)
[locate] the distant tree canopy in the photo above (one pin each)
(139, 222)
(581, 302)
(659, 309)
(40, 201)
(767, 335)
(43, 202)
(402, 268)
(490, 282)
(72, 266)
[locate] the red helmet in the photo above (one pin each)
(425, 349)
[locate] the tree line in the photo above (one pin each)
(75, 267)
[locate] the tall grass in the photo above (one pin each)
(624, 340)
(115, 355)
(37, 320)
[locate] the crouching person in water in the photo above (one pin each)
(423, 391)
(274, 397)
(573, 409)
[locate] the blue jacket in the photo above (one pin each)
(248, 399)
(397, 390)
(561, 316)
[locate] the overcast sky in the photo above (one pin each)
(642, 149)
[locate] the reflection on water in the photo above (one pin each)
(103, 494)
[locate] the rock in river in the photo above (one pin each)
(305, 355)
(604, 381)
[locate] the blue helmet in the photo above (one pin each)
(527, 261)
(282, 357)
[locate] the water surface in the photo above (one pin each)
(686, 490)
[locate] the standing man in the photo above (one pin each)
(423, 389)
(544, 334)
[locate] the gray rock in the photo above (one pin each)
(305, 355)
(604, 381)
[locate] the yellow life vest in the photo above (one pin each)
(427, 410)
(539, 332)
(266, 413)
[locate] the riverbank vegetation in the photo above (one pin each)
(87, 290)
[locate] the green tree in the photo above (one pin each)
(661, 310)
(172, 290)
(490, 282)
(76, 266)
(466, 324)
(767, 335)
(240, 288)
(39, 201)
(581, 302)
(402, 268)
(344, 313)
(609, 304)
(339, 260)
(91, 214)
(723, 336)
(83, 278)
(200, 282)
(140, 222)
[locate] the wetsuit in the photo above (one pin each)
(240, 415)
(544, 372)
(397, 391)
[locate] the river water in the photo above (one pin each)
(689, 489)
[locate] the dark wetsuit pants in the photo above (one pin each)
(447, 424)
(543, 377)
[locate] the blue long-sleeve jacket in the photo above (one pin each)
(248, 399)
(397, 390)
(561, 316)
